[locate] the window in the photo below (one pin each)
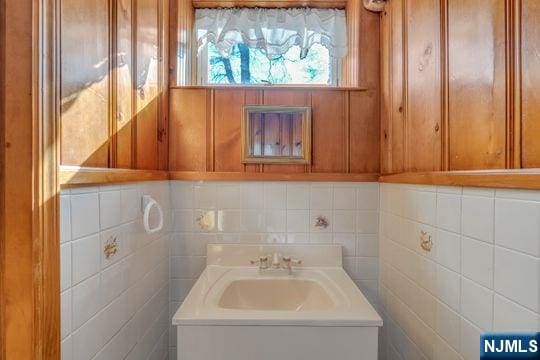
(270, 46)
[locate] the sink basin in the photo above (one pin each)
(275, 294)
(237, 311)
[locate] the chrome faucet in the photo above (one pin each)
(285, 262)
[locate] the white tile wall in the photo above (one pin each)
(482, 274)
(113, 308)
(272, 212)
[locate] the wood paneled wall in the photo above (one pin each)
(113, 83)
(205, 129)
(460, 84)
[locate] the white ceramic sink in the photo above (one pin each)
(237, 312)
(275, 294)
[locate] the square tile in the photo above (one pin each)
(448, 250)
(321, 197)
(110, 214)
(509, 316)
(85, 258)
(65, 218)
(228, 196)
(253, 221)
(86, 300)
(449, 212)
(88, 340)
(65, 266)
(517, 225)
(348, 243)
(477, 261)
(477, 217)
(84, 215)
(182, 195)
(448, 325)
(367, 245)
(517, 277)
(275, 196)
(367, 222)
(470, 338)
(131, 204)
(275, 221)
(298, 197)
(344, 198)
(477, 304)
(297, 221)
(367, 268)
(344, 221)
(252, 195)
(228, 220)
(367, 196)
(448, 288)
(205, 195)
(65, 314)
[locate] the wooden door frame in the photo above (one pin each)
(29, 214)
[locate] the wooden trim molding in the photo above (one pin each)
(257, 176)
(511, 179)
(72, 176)
(2, 177)
(46, 206)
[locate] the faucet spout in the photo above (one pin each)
(275, 261)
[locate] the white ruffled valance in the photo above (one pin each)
(274, 31)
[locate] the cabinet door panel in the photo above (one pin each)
(530, 84)
(477, 84)
(124, 85)
(147, 92)
(84, 84)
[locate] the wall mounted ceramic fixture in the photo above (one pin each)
(313, 312)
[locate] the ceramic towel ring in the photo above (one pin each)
(147, 204)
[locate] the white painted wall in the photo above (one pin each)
(482, 274)
(113, 308)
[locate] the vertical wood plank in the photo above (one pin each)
(85, 82)
(187, 139)
(364, 133)
(329, 122)
(20, 269)
(423, 137)
(530, 88)
(163, 85)
(147, 84)
(477, 86)
(124, 84)
(228, 106)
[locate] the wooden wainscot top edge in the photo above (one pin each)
(74, 176)
(511, 179)
(254, 176)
